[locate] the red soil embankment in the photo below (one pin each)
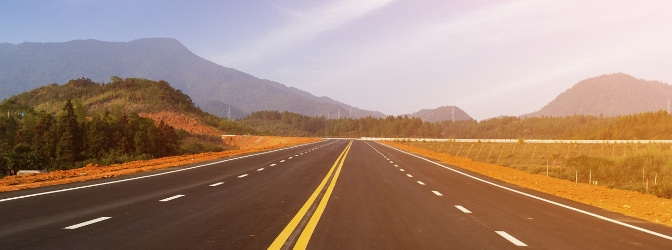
(179, 121)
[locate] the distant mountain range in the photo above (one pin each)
(610, 95)
(227, 92)
(443, 113)
(216, 89)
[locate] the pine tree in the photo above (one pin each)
(69, 144)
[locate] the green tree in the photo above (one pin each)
(69, 145)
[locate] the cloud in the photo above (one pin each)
(302, 27)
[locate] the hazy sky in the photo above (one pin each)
(489, 58)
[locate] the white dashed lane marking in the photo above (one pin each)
(241, 176)
(261, 169)
(437, 193)
(273, 165)
(172, 198)
(409, 175)
(421, 183)
(464, 210)
(216, 184)
(511, 238)
(86, 223)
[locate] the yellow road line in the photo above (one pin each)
(291, 227)
(303, 240)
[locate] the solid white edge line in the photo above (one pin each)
(216, 184)
(511, 238)
(86, 223)
(537, 197)
(437, 193)
(151, 175)
(172, 198)
(464, 210)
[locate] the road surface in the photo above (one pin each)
(334, 194)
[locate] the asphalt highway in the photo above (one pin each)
(333, 194)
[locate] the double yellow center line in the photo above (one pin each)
(304, 222)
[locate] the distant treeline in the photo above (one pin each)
(40, 140)
(644, 126)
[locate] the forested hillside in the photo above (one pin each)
(40, 140)
(59, 127)
(154, 99)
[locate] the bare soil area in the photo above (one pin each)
(247, 144)
(630, 203)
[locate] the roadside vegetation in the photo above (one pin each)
(646, 168)
(644, 126)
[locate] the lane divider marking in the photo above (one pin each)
(437, 193)
(272, 165)
(261, 169)
(172, 198)
(409, 175)
(464, 210)
(86, 223)
(421, 183)
(216, 184)
(402, 170)
(282, 161)
(304, 222)
(511, 238)
(242, 176)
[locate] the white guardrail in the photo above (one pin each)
(518, 140)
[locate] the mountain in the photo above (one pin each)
(610, 95)
(443, 113)
(27, 66)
